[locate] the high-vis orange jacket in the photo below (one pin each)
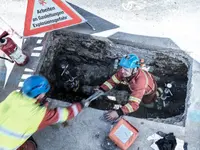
(142, 86)
(21, 116)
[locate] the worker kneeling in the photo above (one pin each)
(141, 83)
(21, 114)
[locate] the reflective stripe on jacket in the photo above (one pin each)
(141, 84)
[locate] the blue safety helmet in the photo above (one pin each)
(35, 85)
(130, 61)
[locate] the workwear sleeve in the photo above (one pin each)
(60, 115)
(138, 91)
(110, 83)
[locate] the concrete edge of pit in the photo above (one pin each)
(192, 123)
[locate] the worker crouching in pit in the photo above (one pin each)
(23, 113)
(141, 83)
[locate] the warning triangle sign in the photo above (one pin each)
(48, 15)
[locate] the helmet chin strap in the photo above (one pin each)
(134, 71)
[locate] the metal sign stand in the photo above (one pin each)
(91, 26)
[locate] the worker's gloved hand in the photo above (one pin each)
(111, 115)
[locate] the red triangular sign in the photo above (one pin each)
(48, 15)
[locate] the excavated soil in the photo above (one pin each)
(75, 64)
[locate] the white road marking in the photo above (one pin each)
(38, 48)
(25, 76)
(39, 41)
(28, 70)
(35, 54)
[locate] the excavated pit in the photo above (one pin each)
(75, 64)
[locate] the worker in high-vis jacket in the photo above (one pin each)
(141, 83)
(21, 114)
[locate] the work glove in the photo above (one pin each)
(113, 115)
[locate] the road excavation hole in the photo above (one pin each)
(75, 64)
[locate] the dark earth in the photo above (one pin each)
(76, 63)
